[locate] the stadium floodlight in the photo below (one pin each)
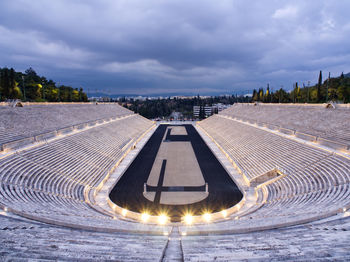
(207, 217)
(188, 218)
(224, 213)
(183, 233)
(163, 219)
(124, 212)
(144, 217)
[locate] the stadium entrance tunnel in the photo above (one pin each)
(175, 174)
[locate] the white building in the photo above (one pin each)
(209, 110)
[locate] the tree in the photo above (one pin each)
(261, 94)
(32, 75)
(5, 83)
(319, 87)
(32, 87)
(16, 93)
(201, 112)
(255, 96)
(280, 96)
(8, 86)
(268, 94)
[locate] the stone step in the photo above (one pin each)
(173, 250)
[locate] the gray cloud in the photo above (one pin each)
(176, 46)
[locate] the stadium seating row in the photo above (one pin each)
(21, 123)
(48, 181)
(317, 182)
(312, 120)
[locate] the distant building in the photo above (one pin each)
(99, 99)
(209, 110)
(219, 107)
(196, 110)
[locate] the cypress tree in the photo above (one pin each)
(5, 83)
(255, 96)
(319, 87)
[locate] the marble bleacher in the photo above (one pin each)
(17, 123)
(317, 120)
(316, 183)
(47, 181)
(257, 151)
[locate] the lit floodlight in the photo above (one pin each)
(124, 212)
(207, 217)
(162, 219)
(165, 233)
(144, 217)
(183, 234)
(188, 219)
(224, 213)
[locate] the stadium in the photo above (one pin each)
(95, 181)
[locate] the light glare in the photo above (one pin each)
(188, 219)
(144, 217)
(207, 217)
(224, 213)
(162, 219)
(124, 212)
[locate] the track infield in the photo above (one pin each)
(175, 164)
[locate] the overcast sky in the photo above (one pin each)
(175, 46)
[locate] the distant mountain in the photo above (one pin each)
(101, 94)
(347, 75)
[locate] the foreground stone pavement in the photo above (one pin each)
(23, 239)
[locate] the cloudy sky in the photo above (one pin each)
(176, 46)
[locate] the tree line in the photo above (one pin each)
(335, 89)
(29, 86)
(159, 108)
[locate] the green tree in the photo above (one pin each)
(255, 96)
(319, 84)
(5, 83)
